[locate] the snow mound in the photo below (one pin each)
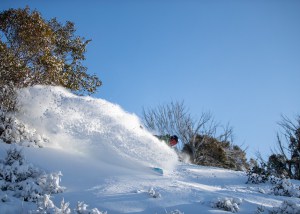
(91, 127)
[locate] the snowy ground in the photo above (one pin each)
(106, 158)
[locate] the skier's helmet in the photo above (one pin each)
(174, 137)
(173, 140)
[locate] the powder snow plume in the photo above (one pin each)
(92, 127)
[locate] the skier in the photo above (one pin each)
(169, 140)
(172, 142)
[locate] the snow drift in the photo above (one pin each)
(93, 128)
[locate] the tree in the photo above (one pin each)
(174, 118)
(289, 149)
(199, 136)
(38, 51)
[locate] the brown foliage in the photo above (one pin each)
(37, 51)
(212, 152)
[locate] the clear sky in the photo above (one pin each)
(238, 59)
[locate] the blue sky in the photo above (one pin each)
(239, 60)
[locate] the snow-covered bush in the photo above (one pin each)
(175, 212)
(274, 180)
(82, 209)
(153, 193)
(255, 178)
(287, 207)
(260, 209)
(227, 204)
(50, 182)
(8, 95)
(258, 174)
(284, 187)
(46, 205)
(4, 198)
(25, 180)
(13, 131)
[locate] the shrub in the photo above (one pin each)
(213, 152)
(4, 198)
(12, 131)
(25, 180)
(258, 174)
(82, 209)
(175, 212)
(153, 193)
(46, 205)
(8, 97)
(260, 209)
(227, 204)
(277, 165)
(284, 187)
(287, 207)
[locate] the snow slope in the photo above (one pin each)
(105, 156)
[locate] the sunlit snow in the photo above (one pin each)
(106, 158)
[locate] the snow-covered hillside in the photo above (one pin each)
(106, 158)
